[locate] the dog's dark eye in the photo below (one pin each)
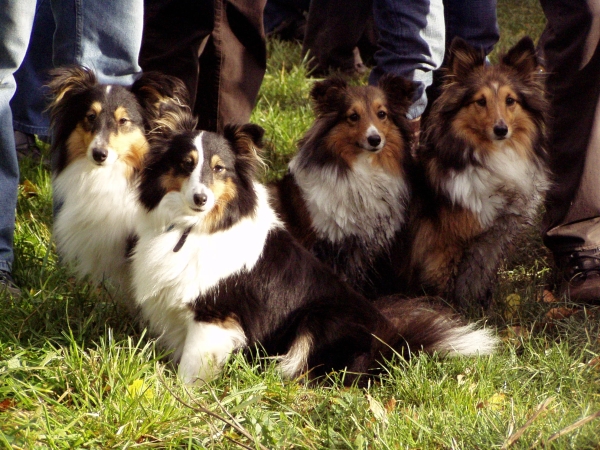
(510, 101)
(188, 164)
(218, 169)
(123, 121)
(481, 102)
(381, 114)
(91, 117)
(354, 117)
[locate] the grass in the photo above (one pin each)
(75, 372)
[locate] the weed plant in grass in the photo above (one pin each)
(77, 372)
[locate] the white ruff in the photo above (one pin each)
(365, 202)
(166, 282)
(506, 183)
(98, 214)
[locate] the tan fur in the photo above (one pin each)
(439, 244)
(224, 190)
(349, 137)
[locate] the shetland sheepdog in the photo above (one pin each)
(214, 270)
(99, 142)
(346, 191)
(484, 172)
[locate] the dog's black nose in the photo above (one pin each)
(374, 140)
(501, 130)
(200, 199)
(99, 154)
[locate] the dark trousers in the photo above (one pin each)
(216, 47)
(570, 46)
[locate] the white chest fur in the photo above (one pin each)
(366, 201)
(166, 282)
(503, 183)
(98, 209)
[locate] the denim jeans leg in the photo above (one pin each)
(105, 36)
(473, 20)
(29, 103)
(411, 41)
(16, 21)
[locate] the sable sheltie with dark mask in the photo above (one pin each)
(215, 270)
(346, 192)
(483, 173)
(98, 147)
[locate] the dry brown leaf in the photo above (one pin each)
(560, 313)
(548, 297)
(7, 404)
(30, 189)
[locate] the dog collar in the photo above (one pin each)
(182, 239)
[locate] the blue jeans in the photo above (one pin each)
(27, 105)
(413, 36)
(105, 36)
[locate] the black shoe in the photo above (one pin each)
(7, 284)
(581, 275)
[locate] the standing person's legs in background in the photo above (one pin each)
(334, 29)
(476, 22)
(29, 102)
(572, 222)
(105, 36)
(411, 44)
(16, 22)
(217, 48)
(473, 20)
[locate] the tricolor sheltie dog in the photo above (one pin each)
(214, 270)
(346, 192)
(484, 172)
(99, 143)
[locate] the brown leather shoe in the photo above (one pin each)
(581, 275)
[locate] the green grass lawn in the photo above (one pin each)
(75, 372)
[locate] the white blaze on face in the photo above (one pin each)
(197, 194)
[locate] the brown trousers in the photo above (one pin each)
(571, 48)
(217, 47)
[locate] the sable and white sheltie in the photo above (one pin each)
(214, 270)
(346, 192)
(484, 172)
(99, 142)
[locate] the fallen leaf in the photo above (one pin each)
(138, 388)
(495, 402)
(390, 405)
(513, 304)
(548, 297)
(6, 404)
(30, 189)
(560, 313)
(377, 409)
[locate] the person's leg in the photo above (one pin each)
(235, 63)
(175, 33)
(411, 41)
(16, 22)
(29, 102)
(105, 36)
(571, 51)
(333, 31)
(473, 20)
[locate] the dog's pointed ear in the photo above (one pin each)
(247, 139)
(328, 94)
(522, 57)
(69, 81)
(159, 94)
(399, 93)
(462, 58)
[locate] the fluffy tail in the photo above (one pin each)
(421, 325)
